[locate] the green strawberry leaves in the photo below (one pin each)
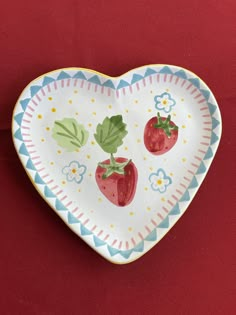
(165, 125)
(109, 135)
(69, 134)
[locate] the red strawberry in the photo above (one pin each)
(120, 186)
(160, 134)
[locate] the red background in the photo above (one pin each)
(44, 267)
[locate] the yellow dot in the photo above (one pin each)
(126, 110)
(70, 101)
(159, 182)
(76, 113)
(88, 156)
(130, 229)
(136, 125)
(47, 128)
(148, 209)
(53, 110)
(184, 141)
(92, 100)
(59, 151)
(73, 170)
(77, 150)
(145, 188)
(90, 125)
(149, 110)
(151, 91)
(138, 140)
(164, 102)
(50, 98)
(145, 158)
(100, 199)
(136, 101)
(40, 116)
(182, 99)
(189, 116)
(151, 168)
(167, 90)
(63, 182)
(109, 106)
(183, 126)
(163, 199)
(126, 148)
(92, 142)
(79, 190)
(52, 163)
(90, 174)
(171, 174)
(75, 91)
(42, 140)
(131, 213)
(184, 159)
(94, 113)
(111, 226)
(174, 114)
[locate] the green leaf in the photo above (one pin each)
(109, 135)
(69, 134)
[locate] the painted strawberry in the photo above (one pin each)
(115, 177)
(160, 134)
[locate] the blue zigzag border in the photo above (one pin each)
(80, 74)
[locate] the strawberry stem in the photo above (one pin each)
(165, 125)
(113, 167)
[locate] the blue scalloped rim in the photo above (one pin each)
(48, 194)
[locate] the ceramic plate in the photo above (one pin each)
(118, 159)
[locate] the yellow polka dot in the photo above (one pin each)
(40, 116)
(189, 116)
(109, 106)
(42, 140)
(76, 113)
(79, 190)
(171, 174)
(63, 182)
(136, 101)
(163, 199)
(51, 163)
(130, 229)
(183, 126)
(111, 226)
(145, 158)
(75, 91)
(174, 114)
(99, 199)
(47, 128)
(88, 156)
(184, 141)
(151, 91)
(151, 168)
(50, 98)
(59, 151)
(167, 90)
(90, 174)
(149, 110)
(53, 110)
(182, 99)
(90, 125)
(146, 188)
(70, 101)
(136, 125)
(92, 142)
(94, 113)
(131, 213)
(138, 140)
(126, 110)
(126, 148)
(184, 159)
(92, 100)
(148, 209)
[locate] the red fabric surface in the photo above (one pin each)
(44, 267)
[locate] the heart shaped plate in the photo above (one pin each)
(118, 159)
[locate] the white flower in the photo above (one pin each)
(74, 172)
(159, 181)
(164, 102)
